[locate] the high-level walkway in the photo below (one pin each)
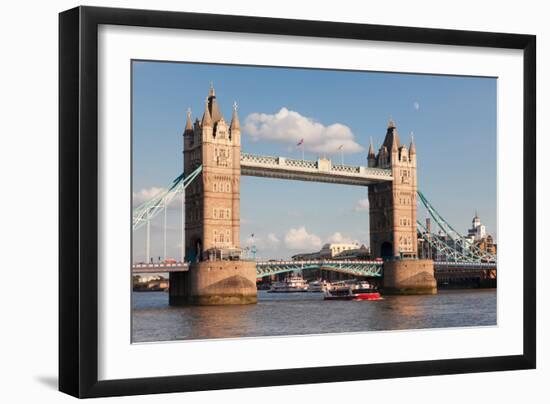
(320, 170)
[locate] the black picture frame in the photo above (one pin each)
(78, 201)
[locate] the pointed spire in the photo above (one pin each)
(412, 148)
(391, 141)
(206, 118)
(235, 124)
(371, 150)
(188, 125)
(212, 91)
(213, 105)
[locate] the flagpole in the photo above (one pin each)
(342, 154)
(301, 143)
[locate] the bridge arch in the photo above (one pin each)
(194, 251)
(386, 250)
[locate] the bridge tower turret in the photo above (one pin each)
(393, 204)
(371, 157)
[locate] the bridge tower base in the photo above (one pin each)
(214, 283)
(409, 277)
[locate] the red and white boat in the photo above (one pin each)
(352, 291)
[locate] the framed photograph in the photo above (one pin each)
(251, 201)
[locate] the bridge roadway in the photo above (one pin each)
(444, 270)
(267, 268)
(460, 271)
(143, 268)
(320, 170)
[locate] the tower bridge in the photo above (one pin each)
(213, 165)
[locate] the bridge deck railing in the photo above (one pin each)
(313, 166)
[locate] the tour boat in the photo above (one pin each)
(352, 291)
(294, 283)
(317, 286)
(365, 291)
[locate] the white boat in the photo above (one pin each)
(318, 286)
(294, 283)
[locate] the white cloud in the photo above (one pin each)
(270, 242)
(288, 126)
(416, 105)
(362, 205)
(300, 239)
(273, 239)
(339, 238)
(145, 194)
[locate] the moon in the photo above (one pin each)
(416, 105)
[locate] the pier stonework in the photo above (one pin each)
(215, 282)
(409, 276)
(392, 218)
(212, 214)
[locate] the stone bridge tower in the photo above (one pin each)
(393, 204)
(212, 214)
(212, 201)
(392, 210)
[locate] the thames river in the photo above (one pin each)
(307, 313)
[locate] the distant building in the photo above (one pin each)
(149, 283)
(330, 250)
(352, 251)
(477, 232)
(306, 256)
(487, 244)
(360, 253)
(477, 237)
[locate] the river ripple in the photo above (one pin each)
(307, 313)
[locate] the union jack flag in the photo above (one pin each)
(300, 142)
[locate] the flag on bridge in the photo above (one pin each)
(300, 142)
(340, 147)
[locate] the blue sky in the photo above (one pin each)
(453, 119)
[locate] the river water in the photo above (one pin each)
(307, 313)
